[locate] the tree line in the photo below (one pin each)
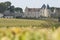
(7, 6)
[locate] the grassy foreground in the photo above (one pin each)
(26, 29)
(16, 33)
(27, 23)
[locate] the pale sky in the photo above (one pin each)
(33, 3)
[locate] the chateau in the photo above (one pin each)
(43, 12)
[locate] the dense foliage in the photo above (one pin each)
(7, 6)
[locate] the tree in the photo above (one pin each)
(19, 9)
(52, 9)
(11, 8)
(4, 6)
(7, 4)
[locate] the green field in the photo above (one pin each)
(27, 23)
(29, 29)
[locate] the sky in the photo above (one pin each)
(33, 3)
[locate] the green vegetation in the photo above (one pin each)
(28, 29)
(7, 6)
(28, 23)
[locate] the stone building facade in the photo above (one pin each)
(43, 12)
